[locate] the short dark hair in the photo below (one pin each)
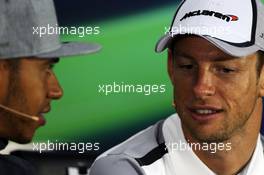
(260, 61)
(14, 68)
(13, 65)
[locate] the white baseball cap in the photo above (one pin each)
(234, 26)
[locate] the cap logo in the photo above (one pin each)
(221, 16)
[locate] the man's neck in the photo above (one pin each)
(243, 144)
(3, 143)
(232, 161)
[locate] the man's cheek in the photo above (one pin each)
(181, 94)
(36, 101)
(232, 106)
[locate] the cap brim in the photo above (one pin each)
(230, 49)
(165, 41)
(71, 49)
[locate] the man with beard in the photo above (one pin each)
(28, 83)
(215, 63)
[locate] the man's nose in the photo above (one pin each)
(55, 90)
(204, 84)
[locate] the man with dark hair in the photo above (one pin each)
(28, 83)
(216, 67)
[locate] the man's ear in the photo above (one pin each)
(170, 66)
(4, 70)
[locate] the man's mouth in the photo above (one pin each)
(46, 110)
(205, 111)
(42, 120)
(203, 114)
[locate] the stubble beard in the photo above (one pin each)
(223, 133)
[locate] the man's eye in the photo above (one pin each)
(226, 70)
(51, 66)
(186, 66)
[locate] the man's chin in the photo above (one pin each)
(206, 133)
(211, 137)
(210, 132)
(23, 139)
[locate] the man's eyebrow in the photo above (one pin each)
(54, 60)
(183, 55)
